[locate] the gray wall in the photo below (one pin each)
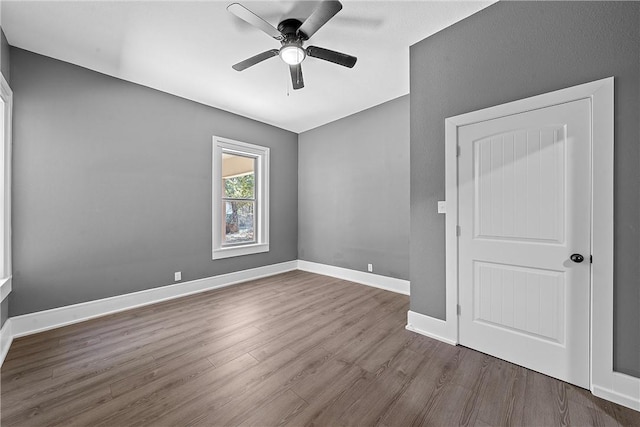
(4, 311)
(112, 186)
(4, 57)
(510, 51)
(353, 197)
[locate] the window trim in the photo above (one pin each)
(261, 224)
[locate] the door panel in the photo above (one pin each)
(520, 299)
(515, 200)
(524, 207)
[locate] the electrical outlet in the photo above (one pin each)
(370, 268)
(178, 276)
(442, 207)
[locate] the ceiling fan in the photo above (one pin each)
(291, 33)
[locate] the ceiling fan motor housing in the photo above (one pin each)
(289, 28)
(291, 51)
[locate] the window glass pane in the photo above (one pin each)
(238, 176)
(239, 222)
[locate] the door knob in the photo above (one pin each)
(577, 258)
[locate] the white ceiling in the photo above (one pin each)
(186, 48)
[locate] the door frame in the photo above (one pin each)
(604, 382)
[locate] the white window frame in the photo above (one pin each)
(5, 189)
(261, 214)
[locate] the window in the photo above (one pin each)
(240, 198)
(6, 100)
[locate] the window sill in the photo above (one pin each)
(5, 287)
(240, 250)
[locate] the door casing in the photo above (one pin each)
(600, 95)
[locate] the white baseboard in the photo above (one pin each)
(620, 388)
(6, 337)
(377, 281)
(49, 319)
(430, 327)
(5, 288)
(614, 396)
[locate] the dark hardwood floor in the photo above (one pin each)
(293, 349)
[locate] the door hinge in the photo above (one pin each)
(458, 309)
(458, 230)
(457, 151)
(591, 259)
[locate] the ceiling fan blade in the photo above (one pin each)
(325, 11)
(246, 15)
(243, 65)
(332, 56)
(296, 76)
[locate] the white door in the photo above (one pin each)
(524, 210)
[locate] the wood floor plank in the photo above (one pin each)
(321, 330)
(24, 379)
(325, 389)
(57, 408)
(446, 412)
(277, 412)
(197, 398)
(292, 349)
(604, 413)
(351, 333)
(335, 409)
(361, 345)
(503, 398)
(239, 408)
(335, 377)
(144, 403)
(386, 386)
(585, 416)
(388, 349)
(76, 383)
(422, 395)
(544, 405)
(204, 344)
(187, 364)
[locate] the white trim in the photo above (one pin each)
(624, 390)
(392, 284)
(5, 288)
(605, 382)
(49, 319)
(261, 222)
(6, 338)
(451, 229)
(430, 327)
(6, 94)
(234, 251)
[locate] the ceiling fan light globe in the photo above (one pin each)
(292, 55)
